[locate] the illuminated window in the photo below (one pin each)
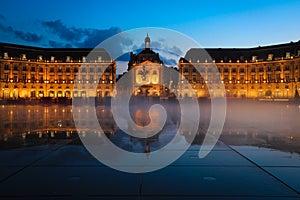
(269, 77)
(287, 77)
(278, 77)
(270, 56)
(6, 76)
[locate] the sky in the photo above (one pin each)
(217, 24)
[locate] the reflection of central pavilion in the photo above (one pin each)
(147, 75)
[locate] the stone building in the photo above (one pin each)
(32, 72)
(262, 72)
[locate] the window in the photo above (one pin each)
(269, 69)
(269, 77)
(52, 69)
(24, 68)
(68, 70)
(242, 70)
(107, 79)
(278, 68)
(6, 76)
(6, 67)
(186, 69)
(83, 70)
(107, 70)
(287, 68)
(242, 78)
(99, 70)
(154, 72)
(75, 69)
(92, 70)
(33, 69)
(194, 69)
(261, 78)
(287, 77)
(225, 70)
(41, 69)
(261, 69)
(233, 70)
(15, 77)
(194, 79)
(226, 79)
(15, 68)
(24, 77)
(278, 77)
(253, 69)
(91, 79)
(252, 78)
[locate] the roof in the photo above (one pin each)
(32, 53)
(243, 54)
(145, 54)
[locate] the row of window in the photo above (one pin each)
(241, 70)
(60, 69)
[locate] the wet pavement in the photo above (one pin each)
(248, 162)
(69, 171)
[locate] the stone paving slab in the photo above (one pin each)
(269, 157)
(213, 181)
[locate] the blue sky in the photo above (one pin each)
(74, 23)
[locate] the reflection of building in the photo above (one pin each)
(31, 72)
(262, 72)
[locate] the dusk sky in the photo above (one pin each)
(74, 23)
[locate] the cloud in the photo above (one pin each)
(168, 61)
(78, 37)
(62, 31)
(25, 36)
(56, 44)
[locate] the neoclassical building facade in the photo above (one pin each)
(31, 72)
(262, 72)
(270, 72)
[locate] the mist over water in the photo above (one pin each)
(248, 122)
